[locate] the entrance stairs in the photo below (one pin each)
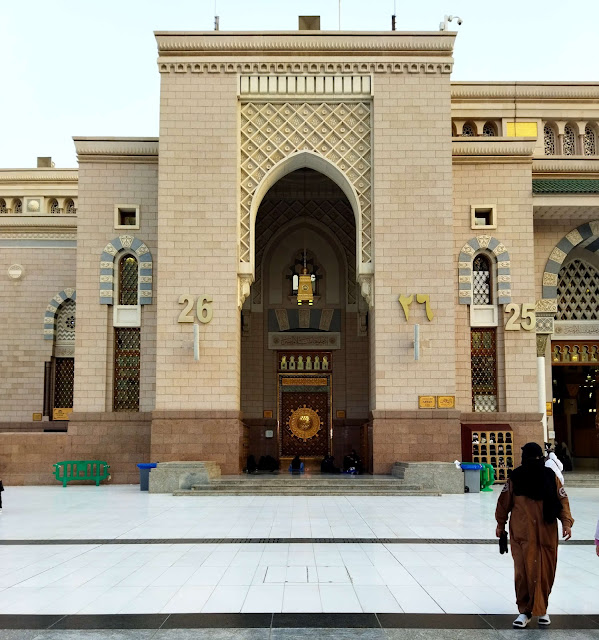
(581, 479)
(312, 484)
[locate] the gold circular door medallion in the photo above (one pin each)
(304, 423)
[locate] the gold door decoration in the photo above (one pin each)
(304, 423)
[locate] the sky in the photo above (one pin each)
(83, 68)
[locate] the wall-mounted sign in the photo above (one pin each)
(267, 413)
(421, 298)
(445, 402)
(427, 402)
(62, 414)
(522, 317)
(340, 413)
(37, 417)
(549, 408)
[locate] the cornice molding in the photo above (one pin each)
(19, 222)
(566, 166)
(524, 91)
(38, 175)
(494, 147)
(302, 42)
(302, 68)
(36, 234)
(117, 149)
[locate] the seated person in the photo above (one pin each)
(296, 465)
(328, 465)
(251, 466)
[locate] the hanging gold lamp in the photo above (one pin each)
(304, 288)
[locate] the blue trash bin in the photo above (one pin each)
(144, 474)
(471, 476)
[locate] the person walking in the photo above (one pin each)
(597, 538)
(534, 499)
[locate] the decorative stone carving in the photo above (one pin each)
(573, 328)
(282, 319)
(550, 279)
(244, 286)
(557, 255)
(126, 241)
(340, 132)
(304, 340)
(541, 345)
(574, 237)
(56, 306)
(544, 324)
(367, 288)
(547, 305)
(300, 85)
(483, 241)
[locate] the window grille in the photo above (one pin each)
(65, 322)
(483, 350)
(64, 379)
(468, 130)
(54, 208)
(128, 280)
(481, 280)
(590, 141)
(578, 292)
(569, 141)
(489, 129)
(549, 136)
(18, 207)
(126, 369)
(70, 208)
(3, 208)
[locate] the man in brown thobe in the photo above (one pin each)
(534, 541)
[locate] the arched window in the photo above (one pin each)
(549, 137)
(489, 130)
(128, 268)
(578, 292)
(54, 208)
(70, 208)
(590, 141)
(3, 209)
(481, 280)
(18, 206)
(569, 141)
(468, 130)
(64, 363)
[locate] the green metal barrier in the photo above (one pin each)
(487, 477)
(69, 470)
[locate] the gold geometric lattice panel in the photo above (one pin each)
(339, 132)
(578, 292)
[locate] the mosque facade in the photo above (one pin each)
(330, 246)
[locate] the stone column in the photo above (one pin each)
(413, 254)
(197, 402)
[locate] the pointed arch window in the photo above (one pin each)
(70, 207)
(468, 130)
(54, 208)
(128, 272)
(590, 141)
(569, 141)
(481, 280)
(549, 137)
(3, 208)
(18, 206)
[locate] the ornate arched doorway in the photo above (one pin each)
(304, 377)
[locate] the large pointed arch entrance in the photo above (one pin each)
(305, 369)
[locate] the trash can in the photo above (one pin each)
(144, 474)
(471, 477)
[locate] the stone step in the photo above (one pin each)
(302, 492)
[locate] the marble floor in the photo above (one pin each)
(114, 549)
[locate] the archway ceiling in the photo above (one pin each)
(311, 195)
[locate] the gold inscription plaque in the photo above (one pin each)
(62, 414)
(549, 408)
(427, 402)
(304, 382)
(37, 417)
(304, 423)
(445, 402)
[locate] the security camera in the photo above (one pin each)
(459, 20)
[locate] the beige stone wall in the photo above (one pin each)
(413, 244)
(508, 186)
(197, 230)
(47, 271)
(102, 185)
